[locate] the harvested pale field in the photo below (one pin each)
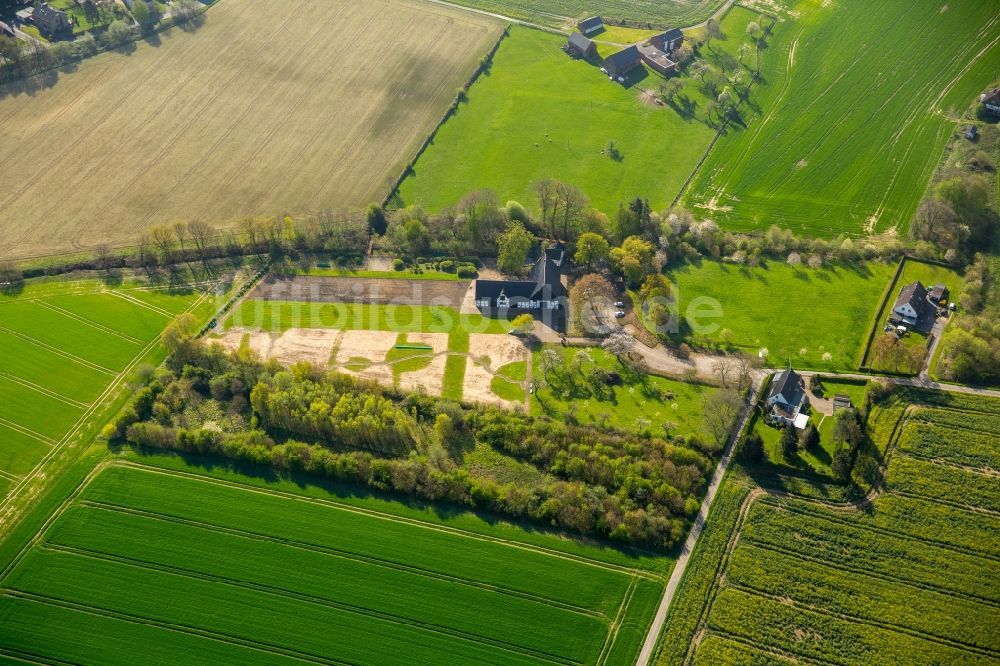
(304, 344)
(431, 378)
(370, 345)
(265, 109)
(488, 354)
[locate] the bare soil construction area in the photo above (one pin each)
(363, 290)
(267, 108)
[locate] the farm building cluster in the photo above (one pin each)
(49, 20)
(917, 308)
(990, 101)
(543, 296)
(654, 52)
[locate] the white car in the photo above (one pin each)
(619, 314)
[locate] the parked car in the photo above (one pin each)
(619, 314)
(619, 304)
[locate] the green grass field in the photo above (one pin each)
(255, 573)
(539, 114)
(850, 128)
(788, 309)
(63, 344)
(557, 13)
(636, 403)
(912, 579)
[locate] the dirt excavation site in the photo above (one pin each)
(408, 361)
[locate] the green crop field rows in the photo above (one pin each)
(798, 314)
(910, 579)
(292, 577)
(62, 344)
(852, 127)
(663, 13)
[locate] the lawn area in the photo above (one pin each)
(909, 579)
(540, 114)
(846, 139)
(506, 382)
(636, 403)
(276, 316)
(62, 344)
(623, 35)
(798, 314)
(304, 571)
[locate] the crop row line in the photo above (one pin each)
(60, 352)
(884, 626)
(142, 304)
(31, 658)
(169, 626)
(947, 502)
(27, 432)
(346, 555)
(615, 625)
(939, 462)
(314, 601)
(882, 576)
(9, 476)
(44, 391)
(944, 545)
(87, 322)
(391, 518)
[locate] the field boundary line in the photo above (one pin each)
(168, 626)
(60, 352)
(92, 324)
(390, 517)
(881, 575)
(113, 386)
(855, 619)
(28, 432)
(311, 600)
(341, 554)
(8, 475)
(44, 391)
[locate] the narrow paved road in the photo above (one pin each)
(506, 19)
(649, 646)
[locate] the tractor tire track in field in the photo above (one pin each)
(27, 432)
(169, 626)
(612, 636)
(37, 388)
(9, 476)
(343, 554)
(83, 320)
(389, 517)
(314, 600)
(7, 509)
(142, 304)
(250, 106)
(55, 350)
(98, 122)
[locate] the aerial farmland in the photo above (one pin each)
(499, 332)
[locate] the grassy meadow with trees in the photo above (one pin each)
(842, 140)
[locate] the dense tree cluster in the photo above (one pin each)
(631, 488)
(971, 351)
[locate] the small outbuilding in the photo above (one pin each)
(668, 41)
(971, 133)
(657, 60)
(841, 401)
(6, 30)
(590, 26)
(618, 65)
(579, 46)
(938, 294)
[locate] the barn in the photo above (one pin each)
(590, 26)
(668, 41)
(579, 46)
(618, 65)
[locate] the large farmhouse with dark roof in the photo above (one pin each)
(991, 100)
(543, 296)
(589, 26)
(787, 400)
(617, 65)
(49, 20)
(913, 309)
